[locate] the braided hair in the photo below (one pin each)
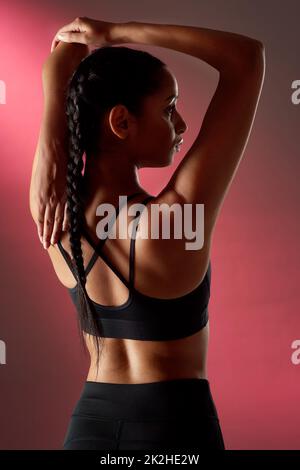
(106, 77)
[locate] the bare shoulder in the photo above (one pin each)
(165, 253)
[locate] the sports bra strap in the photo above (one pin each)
(98, 248)
(109, 226)
(67, 259)
(132, 242)
(98, 252)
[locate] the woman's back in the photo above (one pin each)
(163, 269)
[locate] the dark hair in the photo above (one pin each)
(106, 77)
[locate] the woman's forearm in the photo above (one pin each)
(225, 51)
(51, 152)
(57, 70)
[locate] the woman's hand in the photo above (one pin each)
(48, 178)
(48, 194)
(85, 30)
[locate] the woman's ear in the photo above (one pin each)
(119, 121)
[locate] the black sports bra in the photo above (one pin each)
(143, 317)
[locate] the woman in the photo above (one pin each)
(146, 319)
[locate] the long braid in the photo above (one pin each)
(75, 208)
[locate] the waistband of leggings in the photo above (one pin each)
(186, 390)
(203, 383)
(166, 398)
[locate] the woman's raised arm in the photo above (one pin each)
(47, 195)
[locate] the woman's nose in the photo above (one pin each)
(181, 126)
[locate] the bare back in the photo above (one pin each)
(163, 269)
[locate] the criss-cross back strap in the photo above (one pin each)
(108, 228)
(67, 259)
(98, 245)
(98, 251)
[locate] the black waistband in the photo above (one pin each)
(180, 398)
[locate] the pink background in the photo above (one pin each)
(254, 307)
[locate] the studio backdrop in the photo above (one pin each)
(254, 355)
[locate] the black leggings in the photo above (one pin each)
(172, 414)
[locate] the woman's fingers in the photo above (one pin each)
(40, 223)
(48, 225)
(51, 221)
(54, 43)
(57, 225)
(66, 224)
(72, 32)
(80, 38)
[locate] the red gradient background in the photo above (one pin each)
(254, 307)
